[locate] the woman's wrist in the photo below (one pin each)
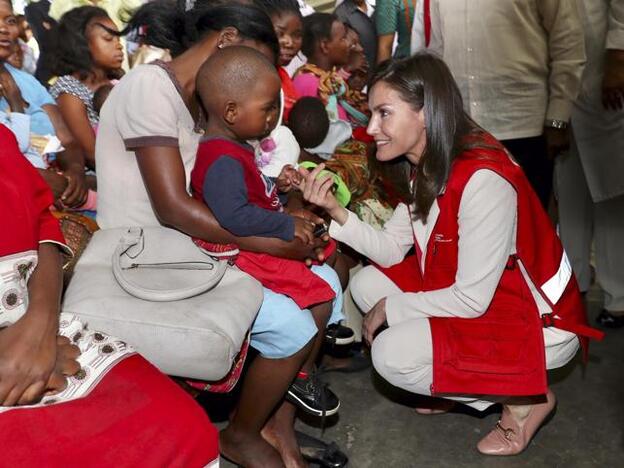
(339, 214)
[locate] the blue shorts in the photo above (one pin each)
(282, 328)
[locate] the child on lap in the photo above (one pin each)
(239, 90)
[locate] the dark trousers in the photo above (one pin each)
(531, 153)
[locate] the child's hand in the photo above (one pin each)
(304, 230)
(288, 179)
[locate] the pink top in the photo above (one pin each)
(307, 84)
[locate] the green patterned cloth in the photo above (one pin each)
(390, 17)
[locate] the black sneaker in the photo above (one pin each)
(313, 396)
(339, 335)
(608, 320)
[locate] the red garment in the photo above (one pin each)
(360, 134)
(427, 21)
(135, 416)
(283, 276)
(502, 351)
(25, 202)
(291, 96)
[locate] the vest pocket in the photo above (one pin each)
(493, 347)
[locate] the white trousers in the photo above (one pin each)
(581, 221)
(403, 353)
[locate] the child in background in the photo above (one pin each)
(100, 96)
(16, 59)
(326, 45)
(280, 148)
(356, 71)
(28, 44)
(19, 124)
(287, 21)
(239, 90)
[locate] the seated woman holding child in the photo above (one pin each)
(147, 144)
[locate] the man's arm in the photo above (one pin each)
(613, 80)
(566, 48)
(386, 25)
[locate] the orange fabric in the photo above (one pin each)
(291, 96)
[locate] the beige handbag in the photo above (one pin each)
(161, 264)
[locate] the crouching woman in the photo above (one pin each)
(487, 302)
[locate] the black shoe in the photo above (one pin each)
(313, 396)
(355, 360)
(316, 451)
(339, 335)
(608, 320)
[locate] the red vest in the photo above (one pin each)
(502, 351)
(284, 276)
(260, 191)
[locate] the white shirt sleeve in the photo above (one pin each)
(436, 42)
(418, 40)
(566, 51)
(615, 34)
(386, 247)
(487, 232)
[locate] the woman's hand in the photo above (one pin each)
(27, 360)
(66, 365)
(374, 319)
(613, 80)
(56, 182)
(318, 191)
(76, 192)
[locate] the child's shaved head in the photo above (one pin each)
(232, 74)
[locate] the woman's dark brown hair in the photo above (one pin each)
(425, 82)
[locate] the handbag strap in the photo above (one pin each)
(134, 238)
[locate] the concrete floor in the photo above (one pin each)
(377, 428)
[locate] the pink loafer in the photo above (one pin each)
(510, 437)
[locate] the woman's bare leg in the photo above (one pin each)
(264, 388)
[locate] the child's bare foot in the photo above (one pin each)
(250, 451)
(283, 439)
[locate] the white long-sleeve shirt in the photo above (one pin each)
(517, 62)
(487, 221)
(487, 232)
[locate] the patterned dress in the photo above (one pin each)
(67, 84)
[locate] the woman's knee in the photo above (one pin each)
(399, 362)
(383, 355)
(365, 289)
